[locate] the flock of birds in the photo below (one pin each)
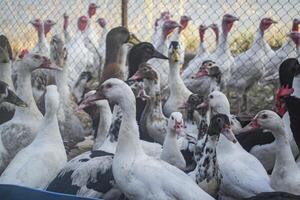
(159, 131)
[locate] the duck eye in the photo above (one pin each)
(108, 85)
(37, 56)
(172, 118)
(264, 116)
(211, 96)
(219, 120)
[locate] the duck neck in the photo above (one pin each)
(5, 74)
(155, 95)
(175, 82)
(284, 156)
(112, 51)
(49, 130)
(207, 166)
(123, 58)
(128, 141)
(104, 125)
(170, 146)
(24, 91)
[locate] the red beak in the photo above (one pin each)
(254, 123)
(202, 72)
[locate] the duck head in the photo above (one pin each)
(217, 102)
(208, 68)
(220, 124)
(5, 45)
(176, 53)
(121, 35)
(266, 23)
(7, 95)
(58, 51)
(48, 24)
(169, 26)
(32, 61)
(113, 90)
(145, 71)
(175, 123)
(268, 120)
(99, 103)
(140, 53)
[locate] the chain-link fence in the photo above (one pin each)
(141, 16)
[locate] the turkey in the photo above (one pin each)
(162, 66)
(287, 50)
(79, 57)
(250, 64)
(194, 64)
(67, 35)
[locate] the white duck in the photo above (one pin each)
(206, 79)
(21, 129)
(29, 167)
(287, 50)
(178, 91)
(286, 174)
(171, 150)
(250, 64)
(202, 53)
(162, 66)
(138, 175)
(261, 144)
(79, 57)
(243, 175)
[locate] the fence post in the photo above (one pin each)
(124, 13)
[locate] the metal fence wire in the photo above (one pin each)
(140, 17)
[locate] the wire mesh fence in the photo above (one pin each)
(141, 17)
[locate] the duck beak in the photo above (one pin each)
(47, 64)
(133, 39)
(179, 128)
(157, 54)
(204, 104)
(90, 100)
(254, 123)
(175, 55)
(138, 76)
(274, 22)
(202, 72)
(183, 106)
(14, 99)
(227, 132)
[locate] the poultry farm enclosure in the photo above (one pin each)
(140, 16)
